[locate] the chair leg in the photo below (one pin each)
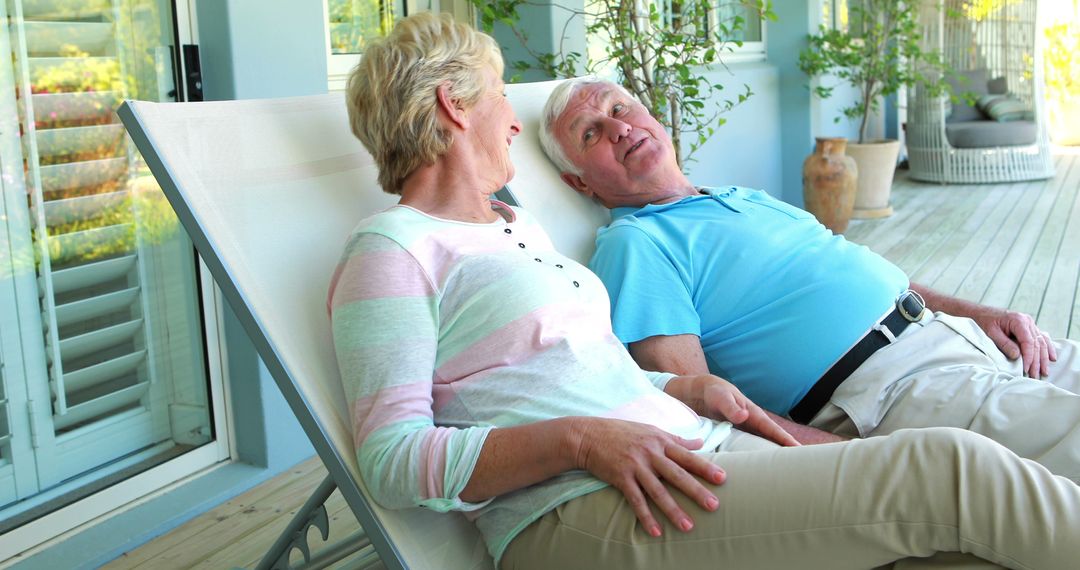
(312, 514)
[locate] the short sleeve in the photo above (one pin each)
(650, 291)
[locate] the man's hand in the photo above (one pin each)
(1017, 336)
(637, 458)
(682, 354)
(806, 435)
(723, 401)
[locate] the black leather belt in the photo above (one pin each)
(909, 308)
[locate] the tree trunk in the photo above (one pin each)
(676, 132)
(867, 97)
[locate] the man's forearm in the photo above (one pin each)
(955, 306)
(805, 434)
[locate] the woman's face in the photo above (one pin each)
(495, 124)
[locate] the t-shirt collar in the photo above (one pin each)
(707, 192)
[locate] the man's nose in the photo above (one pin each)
(616, 129)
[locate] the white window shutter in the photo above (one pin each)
(104, 397)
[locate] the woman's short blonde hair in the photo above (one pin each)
(391, 92)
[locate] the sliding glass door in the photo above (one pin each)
(102, 344)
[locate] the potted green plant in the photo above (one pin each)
(1062, 65)
(878, 55)
(660, 51)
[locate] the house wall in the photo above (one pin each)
(550, 29)
(262, 48)
(785, 37)
(746, 150)
(245, 56)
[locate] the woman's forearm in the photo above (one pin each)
(516, 457)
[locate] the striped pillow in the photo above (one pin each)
(1003, 108)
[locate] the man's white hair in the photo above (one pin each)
(554, 108)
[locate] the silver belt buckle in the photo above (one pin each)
(911, 305)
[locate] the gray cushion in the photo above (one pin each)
(971, 81)
(998, 86)
(985, 134)
(1004, 108)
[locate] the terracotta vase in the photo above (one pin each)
(829, 178)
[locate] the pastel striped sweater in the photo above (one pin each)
(445, 330)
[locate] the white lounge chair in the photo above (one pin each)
(268, 191)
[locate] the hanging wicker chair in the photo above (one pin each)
(992, 46)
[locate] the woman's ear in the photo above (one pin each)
(451, 107)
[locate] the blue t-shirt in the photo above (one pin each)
(775, 297)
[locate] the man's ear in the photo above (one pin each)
(574, 181)
(451, 107)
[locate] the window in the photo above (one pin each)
(747, 43)
(351, 24)
(842, 15)
(102, 341)
(730, 14)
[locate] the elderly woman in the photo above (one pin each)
(483, 376)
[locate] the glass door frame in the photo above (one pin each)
(118, 498)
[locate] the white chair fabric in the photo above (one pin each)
(268, 191)
(1003, 39)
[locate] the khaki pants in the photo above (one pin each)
(860, 504)
(944, 371)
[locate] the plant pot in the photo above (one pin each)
(1065, 121)
(829, 178)
(876, 161)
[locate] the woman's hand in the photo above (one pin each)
(723, 401)
(637, 458)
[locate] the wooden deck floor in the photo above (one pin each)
(238, 533)
(1006, 245)
(1014, 245)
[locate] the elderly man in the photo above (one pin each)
(731, 281)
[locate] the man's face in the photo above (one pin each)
(625, 155)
